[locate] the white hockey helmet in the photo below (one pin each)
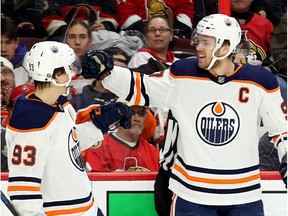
(221, 27)
(44, 57)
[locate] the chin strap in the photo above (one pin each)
(214, 59)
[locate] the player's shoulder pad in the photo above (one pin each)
(258, 75)
(31, 114)
(187, 67)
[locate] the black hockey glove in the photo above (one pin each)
(106, 115)
(96, 64)
(283, 169)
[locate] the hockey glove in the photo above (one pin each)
(96, 64)
(106, 115)
(283, 169)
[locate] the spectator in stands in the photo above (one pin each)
(255, 29)
(57, 15)
(7, 84)
(7, 81)
(11, 49)
(180, 14)
(79, 37)
(124, 150)
(273, 10)
(16, 92)
(157, 56)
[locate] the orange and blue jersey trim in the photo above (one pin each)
(31, 192)
(137, 82)
(243, 73)
(86, 203)
(192, 181)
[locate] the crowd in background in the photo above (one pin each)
(145, 35)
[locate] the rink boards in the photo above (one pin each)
(131, 194)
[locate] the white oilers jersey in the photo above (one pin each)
(46, 171)
(218, 117)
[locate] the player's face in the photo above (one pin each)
(78, 39)
(204, 47)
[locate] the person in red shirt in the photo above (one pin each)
(124, 150)
(134, 14)
(256, 30)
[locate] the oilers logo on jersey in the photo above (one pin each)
(217, 123)
(74, 150)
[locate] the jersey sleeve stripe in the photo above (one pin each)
(132, 83)
(69, 211)
(23, 188)
(68, 202)
(143, 91)
(216, 181)
(25, 197)
(138, 89)
(25, 179)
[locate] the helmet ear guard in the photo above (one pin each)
(221, 27)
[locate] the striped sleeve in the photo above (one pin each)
(168, 152)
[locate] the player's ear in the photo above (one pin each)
(224, 49)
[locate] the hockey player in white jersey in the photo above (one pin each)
(218, 106)
(46, 172)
